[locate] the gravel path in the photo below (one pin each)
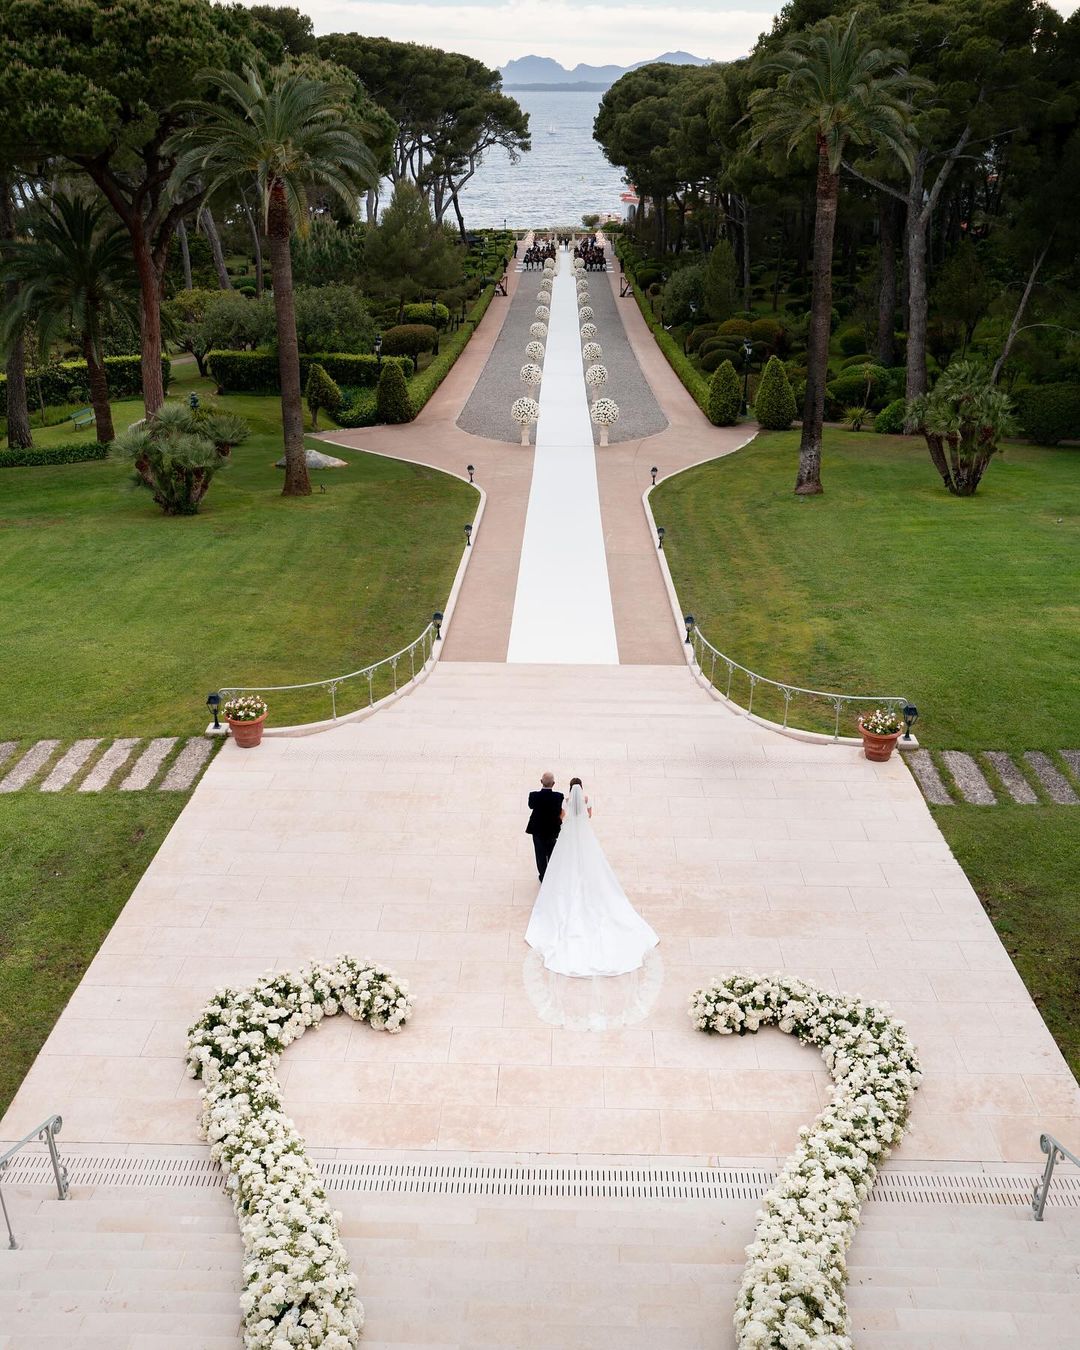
(487, 412)
(639, 413)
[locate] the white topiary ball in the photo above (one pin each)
(543, 298)
(531, 373)
(579, 264)
(534, 351)
(596, 376)
(538, 330)
(589, 331)
(604, 412)
(585, 313)
(542, 312)
(592, 351)
(549, 265)
(582, 285)
(525, 411)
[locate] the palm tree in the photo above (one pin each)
(291, 132)
(73, 272)
(834, 90)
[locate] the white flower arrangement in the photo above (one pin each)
(534, 351)
(244, 708)
(585, 313)
(596, 376)
(538, 330)
(549, 265)
(582, 286)
(604, 412)
(544, 293)
(589, 331)
(299, 1290)
(592, 351)
(792, 1291)
(542, 312)
(525, 411)
(531, 373)
(882, 722)
(579, 264)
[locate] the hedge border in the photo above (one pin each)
(37, 456)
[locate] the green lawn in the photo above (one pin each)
(120, 620)
(70, 863)
(886, 584)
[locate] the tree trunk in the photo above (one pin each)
(149, 320)
(256, 245)
(371, 206)
(99, 393)
(746, 252)
(185, 255)
(888, 211)
(18, 410)
(206, 220)
(457, 212)
(808, 481)
(916, 271)
(1014, 327)
(297, 482)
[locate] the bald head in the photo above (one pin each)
(547, 780)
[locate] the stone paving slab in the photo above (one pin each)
(969, 778)
(110, 763)
(69, 764)
(145, 768)
(1055, 784)
(7, 748)
(29, 766)
(185, 768)
(1017, 786)
(1072, 759)
(925, 771)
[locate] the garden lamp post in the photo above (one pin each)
(654, 471)
(213, 702)
(688, 620)
(660, 532)
(437, 622)
(911, 716)
(378, 350)
(747, 351)
(468, 536)
(470, 469)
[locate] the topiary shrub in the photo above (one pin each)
(725, 396)
(421, 313)
(321, 392)
(1050, 413)
(851, 341)
(647, 276)
(866, 385)
(409, 339)
(862, 359)
(736, 328)
(392, 396)
(890, 420)
(699, 335)
(713, 360)
(774, 403)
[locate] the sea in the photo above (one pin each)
(563, 177)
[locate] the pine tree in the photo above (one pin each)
(774, 405)
(725, 396)
(721, 282)
(392, 395)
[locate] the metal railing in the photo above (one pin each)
(732, 675)
(1053, 1150)
(45, 1133)
(386, 675)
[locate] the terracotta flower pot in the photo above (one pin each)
(875, 747)
(247, 734)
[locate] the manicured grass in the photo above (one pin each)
(887, 585)
(120, 620)
(70, 863)
(1024, 861)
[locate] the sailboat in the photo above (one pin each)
(553, 130)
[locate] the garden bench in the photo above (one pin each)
(83, 417)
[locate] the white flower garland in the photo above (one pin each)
(589, 331)
(604, 412)
(525, 411)
(299, 1290)
(534, 351)
(596, 376)
(792, 1292)
(592, 351)
(538, 330)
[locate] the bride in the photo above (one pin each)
(582, 922)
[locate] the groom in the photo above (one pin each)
(545, 821)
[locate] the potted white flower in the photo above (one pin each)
(589, 331)
(880, 730)
(604, 413)
(592, 351)
(542, 312)
(596, 377)
(246, 716)
(538, 330)
(525, 411)
(534, 350)
(585, 314)
(531, 374)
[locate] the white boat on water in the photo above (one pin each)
(553, 131)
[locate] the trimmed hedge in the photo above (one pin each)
(68, 382)
(409, 339)
(725, 397)
(421, 313)
(257, 372)
(1050, 413)
(53, 454)
(774, 403)
(392, 397)
(890, 420)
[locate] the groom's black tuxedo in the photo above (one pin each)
(545, 822)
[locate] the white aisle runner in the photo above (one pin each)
(562, 609)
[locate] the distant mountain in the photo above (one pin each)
(541, 72)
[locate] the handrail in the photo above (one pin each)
(701, 645)
(425, 643)
(45, 1133)
(1053, 1150)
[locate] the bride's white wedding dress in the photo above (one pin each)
(582, 923)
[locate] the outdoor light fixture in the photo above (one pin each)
(378, 349)
(436, 620)
(654, 471)
(660, 532)
(747, 351)
(911, 716)
(213, 702)
(471, 470)
(468, 536)
(193, 401)
(689, 621)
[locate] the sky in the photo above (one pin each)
(596, 32)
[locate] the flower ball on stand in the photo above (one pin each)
(534, 350)
(585, 314)
(531, 374)
(604, 413)
(588, 332)
(592, 351)
(525, 411)
(596, 377)
(538, 330)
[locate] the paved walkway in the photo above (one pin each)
(94, 764)
(1026, 780)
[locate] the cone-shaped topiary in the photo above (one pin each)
(321, 392)
(774, 405)
(725, 396)
(392, 396)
